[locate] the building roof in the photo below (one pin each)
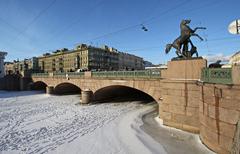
(236, 54)
(76, 50)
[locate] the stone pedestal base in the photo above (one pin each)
(185, 69)
(180, 95)
(236, 74)
(179, 107)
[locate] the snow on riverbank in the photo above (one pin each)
(31, 122)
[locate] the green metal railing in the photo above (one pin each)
(107, 74)
(69, 74)
(42, 75)
(217, 75)
(128, 74)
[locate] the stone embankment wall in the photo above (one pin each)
(212, 110)
(10, 82)
(180, 94)
(219, 112)
(2, 86)
(14, 82)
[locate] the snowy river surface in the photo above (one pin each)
(33, 122)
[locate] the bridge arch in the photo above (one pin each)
(67, 88)
(121, 92)
(38, 85)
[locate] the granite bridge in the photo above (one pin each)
(192, 98)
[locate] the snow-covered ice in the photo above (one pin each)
(33, 122)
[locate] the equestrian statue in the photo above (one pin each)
(181, 44)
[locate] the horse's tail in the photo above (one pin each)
(168, 48)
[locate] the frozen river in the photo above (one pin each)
(33, 122)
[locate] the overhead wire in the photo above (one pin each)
(130, 26)
(223, 38)
(145, 48)
(138, 24)
(127, 27)
(9, 25)
(154, 19)
(35, 19)
(150, 20)
(166, 11)
(76, 21)
(46, 9)
(21, 32)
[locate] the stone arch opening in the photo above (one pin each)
(121, 93)
(39, 85)
(67, 89)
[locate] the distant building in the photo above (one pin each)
(235, 59)
(16, 67)
(104, 58)
(128, 61)
(8, 68)
(147, 64)
(86, 57)
(2, 57)
(82, 58)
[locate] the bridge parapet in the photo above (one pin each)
(128, 74)
(103, 74)
(217, 75)
(221, 75)
(69, 74)
(42, 75)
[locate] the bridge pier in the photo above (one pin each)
(87, 96)
(50, 90)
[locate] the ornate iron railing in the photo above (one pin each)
(69, 74)
(128, 74)
(217, 75)
(42, 75)
(107, 74)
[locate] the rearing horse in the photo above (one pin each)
(187, 32)
(184, 39)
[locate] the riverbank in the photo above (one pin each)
(174, 141)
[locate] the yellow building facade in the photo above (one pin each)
(82, 58)
(235, 59)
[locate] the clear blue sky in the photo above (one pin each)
(30, 28)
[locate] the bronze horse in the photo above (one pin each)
(184, 39)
